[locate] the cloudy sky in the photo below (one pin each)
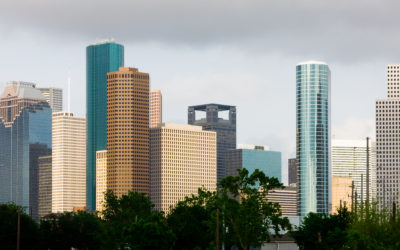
(236, 52)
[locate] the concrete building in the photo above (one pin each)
(101, 178)
(54, 96)
(313, 136)
(183, 158)
(341, 192)
(287, 199)
(349, 159)
(292, 167)
(69, 162)
(45, 185)
(387, 140)
(101, 58)
(155, 108)
(128, 131)
(254, 157)
(25, 135)
(225, 128)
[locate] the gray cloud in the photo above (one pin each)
(331, 30)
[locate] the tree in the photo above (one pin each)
(29, 230)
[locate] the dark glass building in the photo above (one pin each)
(101, 58)
(292, 171)
(25, 135)
(225, 128)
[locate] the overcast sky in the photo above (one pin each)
(231, 52)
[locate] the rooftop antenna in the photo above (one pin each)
(69, 89)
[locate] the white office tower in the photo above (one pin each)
(69, 162)
(101, 178)
(349, 159)
(54, 96)
(388, 140)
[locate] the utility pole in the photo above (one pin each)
(217, 232)
(367, 203)
(352, 196)
(18, 227)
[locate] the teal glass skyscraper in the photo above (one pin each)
(313, 136)
(101, 58)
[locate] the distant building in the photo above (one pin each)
(292, 166)
(128, 131)
(155, 108)
(287, 199)
(101, 178)
(45, 183)
(54, 96)
(180, 164)
(101, 58)
(225, 128)
(25, 135)
(341, 192)
(313, 80)
(68, 161)
(252, 158)
(349, 159)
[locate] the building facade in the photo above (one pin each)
(183, 158)
(349, 159)
(128, 131)
(155, 108)
(252, 158)
(341, 192)
(54, 96)
(292, 167)
(313, 136)
(25, 135)
(388, 140)
(69, 162)
(225, 128)
(101, 58)
(45, 185)
(287, 199)
(101, 178)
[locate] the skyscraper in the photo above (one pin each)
(292, 166)
(313, 136)
(101, 58)
(155, 108)
(180, 164)
(25, 135)
(341, 192)
(287, 199)
(128, 131)
(225, 128)
(45, 185)
(68, 161)
(387, 140)
(101, 178)
(254, 157)
(54, 96)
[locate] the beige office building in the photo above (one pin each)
(69, 162)
(45, 177)
(287, 199)
(54, 96)
(155, 108)
(341, 192)
(183, 158)
(101, 178)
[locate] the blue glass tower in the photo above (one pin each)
(313, 136)
(101, 58)
(25, 135)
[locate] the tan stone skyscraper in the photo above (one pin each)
(183, 158)
(101, 178)
(155, 108)
(68, 162)
(128, 131)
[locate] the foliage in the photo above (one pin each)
(29, 230)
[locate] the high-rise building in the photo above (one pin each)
(286, 198)
(225, 128)
(155, 108)
(128, 131)
(292, 166)
(25, 135)
(54, 96)
(254, 157)
(341, 192)
(349, 159)
(387, 140)
(313, 136)
(183, 158)
(101, 178)
(101, 58)
(45, 183)
(69, 162)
